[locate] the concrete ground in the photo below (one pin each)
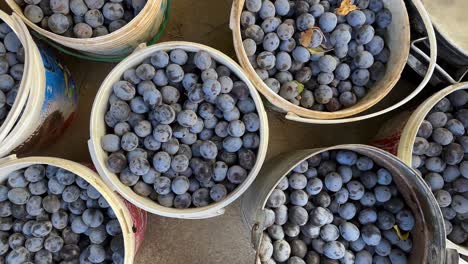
(224, 239)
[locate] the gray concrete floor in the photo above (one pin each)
(224, 239)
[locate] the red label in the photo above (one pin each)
(389, 143)
(139, 218)
(388, 137)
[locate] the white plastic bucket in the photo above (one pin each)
(429, 244)
(46, 100)
(132, 220)
(355, 113)
(98, 129)
(123, 41)
(398, 134)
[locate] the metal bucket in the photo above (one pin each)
(448, 18)
(429, 244)
(397, 136)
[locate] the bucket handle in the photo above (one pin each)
(205, 215)
(256, 235)
(452, 257)
(106, 59)
(8, 158)
(460, 249)
(439, 68)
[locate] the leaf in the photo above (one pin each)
(300, 87)
(346, 7)
(306, 36)
(402, 236)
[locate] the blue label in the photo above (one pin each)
(61, 94)
(59, 106)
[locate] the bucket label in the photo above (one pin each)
(61, 97)
(139, 218)
(59, 106)
(389, 143)
(388, 137)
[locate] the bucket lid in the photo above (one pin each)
(449, 18)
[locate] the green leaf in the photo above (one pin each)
(300, 87)
(401, 235)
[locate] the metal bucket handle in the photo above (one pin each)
(456, 250)
(438, 68)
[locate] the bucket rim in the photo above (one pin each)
(144, 14)
(17, 126)
(96, 121)
(410, 130)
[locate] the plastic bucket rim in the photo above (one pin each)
(95, 41)
(405, 149)
(409, 132)
(145, 203)
(23, 92)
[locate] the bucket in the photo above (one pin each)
(428, 234)
(47, 97)
(98, 130)
(377, 110)
(118, 43)
(452, 39)
(452, 64)
(398, 134)
(132, 220)
(397, 40)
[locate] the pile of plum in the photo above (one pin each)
(183, 130)
(321, 55)
(11, 69)
(336, 207)
(439, 154)
(81, 18)
(50, 215)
